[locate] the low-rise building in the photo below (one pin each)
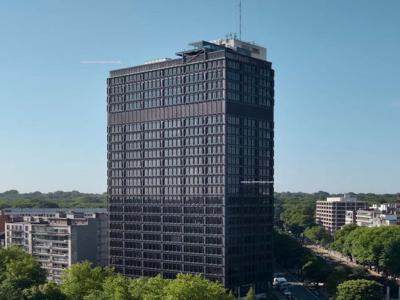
(374, 218)
(9, 214)
(331, 213)
(61, 240)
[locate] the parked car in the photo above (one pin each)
(278, 281)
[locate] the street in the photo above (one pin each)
(299, 291)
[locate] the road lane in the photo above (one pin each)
(299, 291)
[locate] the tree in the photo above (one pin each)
(296, 210)
(195, 287)
(340, 237)
(82, 279)
(288, 251)
(337, 276)
(148, 288)
(316, 269)
(297, 218)
(362, 246)
(360, 289)
(18, 271)
(47, 291)
(250, 295)
(374, 247)
(390, 257)
(116, 287)
(318, 234)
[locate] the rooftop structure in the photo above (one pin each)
(248, 49)
(345, 198)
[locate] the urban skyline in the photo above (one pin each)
(230, 149)
(337, 86)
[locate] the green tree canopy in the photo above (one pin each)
(340, 237)
(195, 287)
(289, 253)
(389, 259)
(47, 291)
(153, 288)
(379, 246)
(82, 279)
(318, 234)
(360, 289)
(316, 269)
(18, 271)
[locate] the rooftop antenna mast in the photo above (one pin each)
(240, 19)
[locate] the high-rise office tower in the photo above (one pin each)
(190, 165)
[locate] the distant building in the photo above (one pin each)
(9, 214)
(350, 217)
(61, 240)
(387, 208)
(331, 213)
(374, 218)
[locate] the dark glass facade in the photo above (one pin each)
(189, 141)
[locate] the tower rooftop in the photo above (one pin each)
(245, 48)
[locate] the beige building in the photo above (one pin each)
(61, 240)
(331, 213)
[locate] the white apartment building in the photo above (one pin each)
(374, 218)
(61, 240)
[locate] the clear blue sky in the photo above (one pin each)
(337, 84)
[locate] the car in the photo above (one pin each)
(278, 281)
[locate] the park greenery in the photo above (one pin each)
(22, 278)
(294, 210)
(74, 199)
